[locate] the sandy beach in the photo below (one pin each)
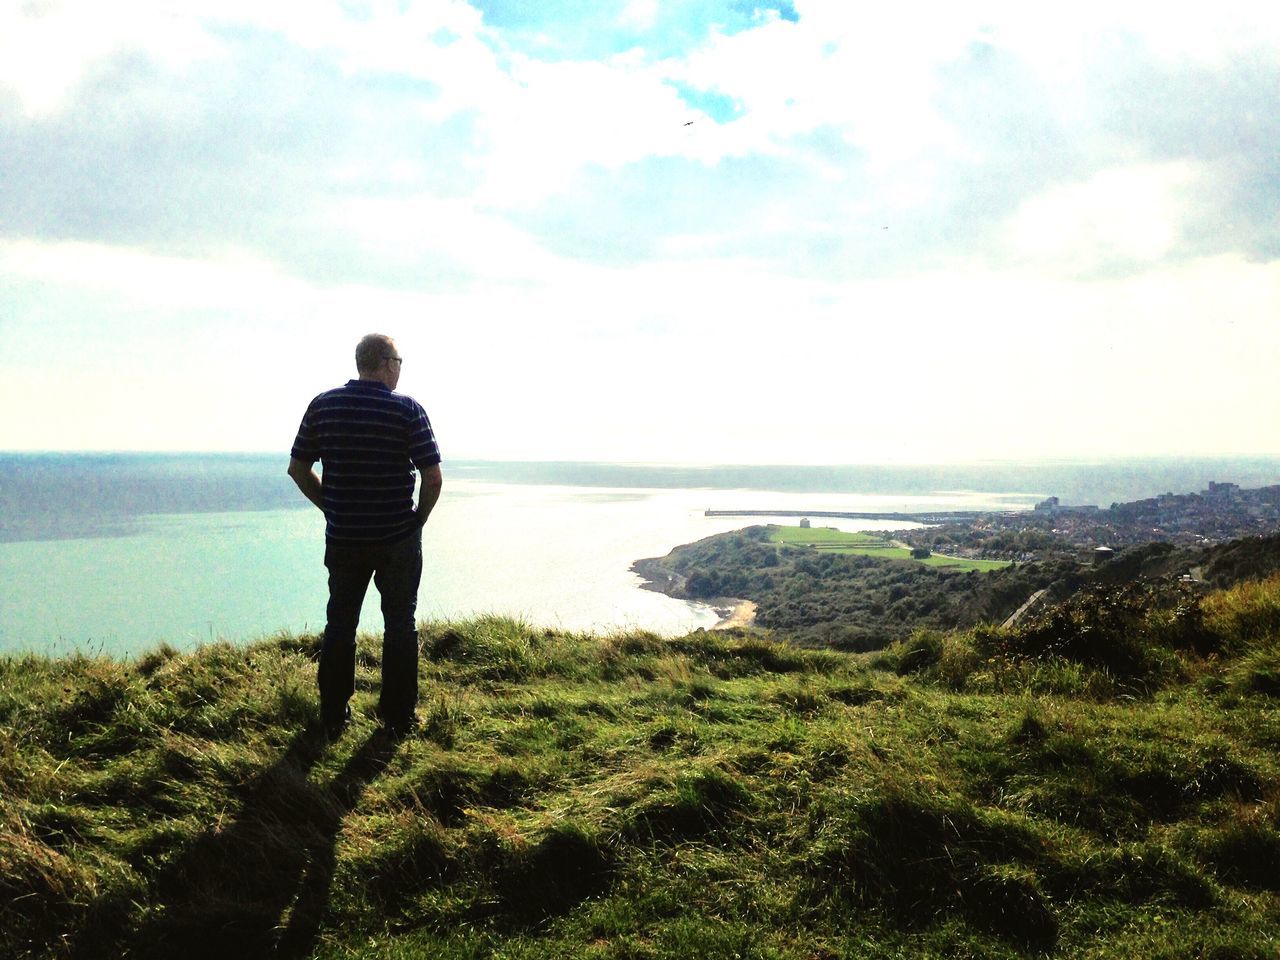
(742, 614)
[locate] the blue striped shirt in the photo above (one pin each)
(368, 439)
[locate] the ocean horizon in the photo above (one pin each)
(120, 552)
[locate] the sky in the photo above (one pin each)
(788, 231)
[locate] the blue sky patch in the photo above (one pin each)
(719, 107)
(588, 29)
(784, 9)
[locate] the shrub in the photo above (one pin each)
(1132, 632)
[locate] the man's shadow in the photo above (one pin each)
(227, 894)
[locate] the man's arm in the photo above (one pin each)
(430, 491)
(308, 481)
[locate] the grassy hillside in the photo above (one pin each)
(1104, 782)
(856, 601)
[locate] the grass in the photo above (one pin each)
(981, 794)
(830, 540)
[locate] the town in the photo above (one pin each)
(1220, 513)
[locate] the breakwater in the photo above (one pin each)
(932, 516)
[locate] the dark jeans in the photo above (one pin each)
(396, 570)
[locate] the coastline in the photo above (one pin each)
(658, 578)
(732, 611)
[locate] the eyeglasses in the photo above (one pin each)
(399, 360)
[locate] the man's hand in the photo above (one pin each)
(429, 493)
(308, 481)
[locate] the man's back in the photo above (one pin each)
(369, 439)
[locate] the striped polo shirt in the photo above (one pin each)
(368, 440)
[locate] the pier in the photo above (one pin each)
(935, 516)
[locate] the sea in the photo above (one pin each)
(117, 553)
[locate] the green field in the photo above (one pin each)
(868, 544)
(1107, 788)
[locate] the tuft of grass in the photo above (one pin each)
(1246, 613)
(1245, 849)
(918, 856)
(699, 802)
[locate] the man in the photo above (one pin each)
(369, 439)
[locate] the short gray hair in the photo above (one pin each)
(372, 350)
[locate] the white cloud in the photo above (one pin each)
(551, 120)
(639, 14)
(1122, 215)
(149, 279)
(47, 46)
(422, 229)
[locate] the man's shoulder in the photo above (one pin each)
(407, 401)
(332, 393)
(352, 389)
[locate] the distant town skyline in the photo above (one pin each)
(696, 232)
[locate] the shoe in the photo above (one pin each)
(333, 729)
